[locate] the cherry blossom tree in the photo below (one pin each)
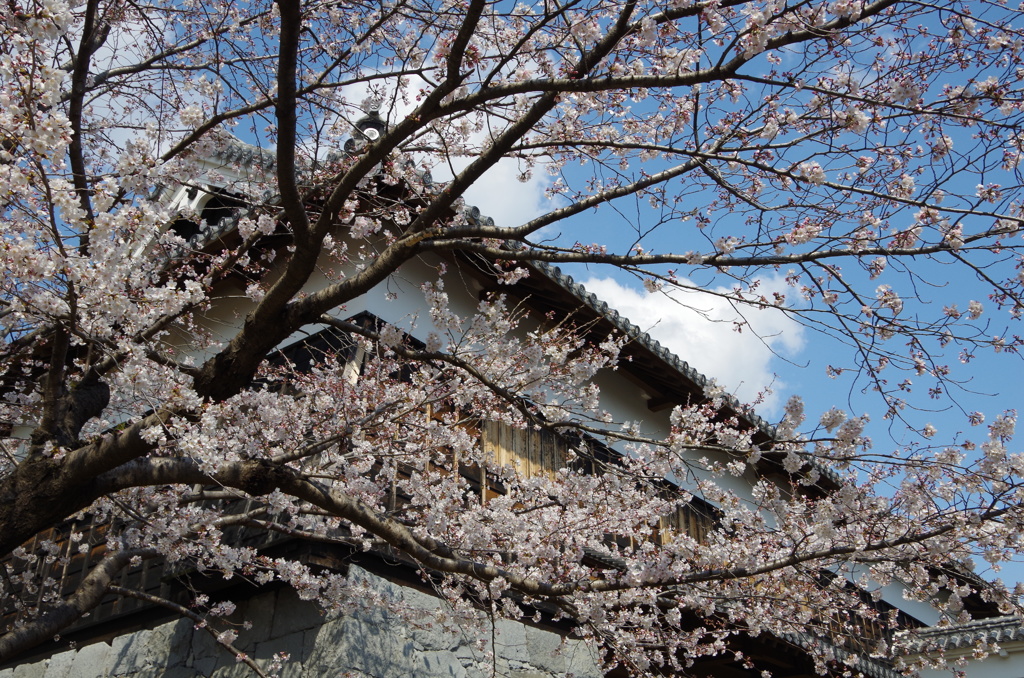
(862, 149)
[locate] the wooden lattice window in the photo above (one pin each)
(695, 519)
(539, 452)
(63, 565)
(530, 452)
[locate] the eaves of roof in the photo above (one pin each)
(622, 324)
(997, 630)
(868, 666)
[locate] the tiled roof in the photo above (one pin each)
(869, 666)
(968, 635)
(237, 152)
(623, 324)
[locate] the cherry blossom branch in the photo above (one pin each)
(200, 623)
(718, 72)
(426, 356)
(516, 401)
(556, 255)
(93, 589)
(258, 478)
(446, 238)
(153, 62)
(457, 50)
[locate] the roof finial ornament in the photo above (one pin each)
(368, 128)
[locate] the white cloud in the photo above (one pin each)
(700, 328)
(502, 196)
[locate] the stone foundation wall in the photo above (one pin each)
(376, 642)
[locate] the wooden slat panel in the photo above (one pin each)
(530, 452)
(533, 453)
(687, 519)
(520, 451)
(545, 457)
(504, 445)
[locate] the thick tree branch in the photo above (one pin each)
(286, 111)
(42, 490)
(94, 33)
(715, 260)
(457, 52)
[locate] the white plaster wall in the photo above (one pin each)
(1008, 664)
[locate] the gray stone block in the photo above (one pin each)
(510, 641)
(177, 637)
(442, 664)
(579, 659)
(430, 632)
(349, 644)
(163, 647)
(258, 611)
(299, 647)
(92, 660)
(33, 670)
(292, 614)
(204, 646)
(552, 653)
(173, 672)
(232, 670)
(547, 650)
(470, 655)
(204, 666)
(59, 665)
